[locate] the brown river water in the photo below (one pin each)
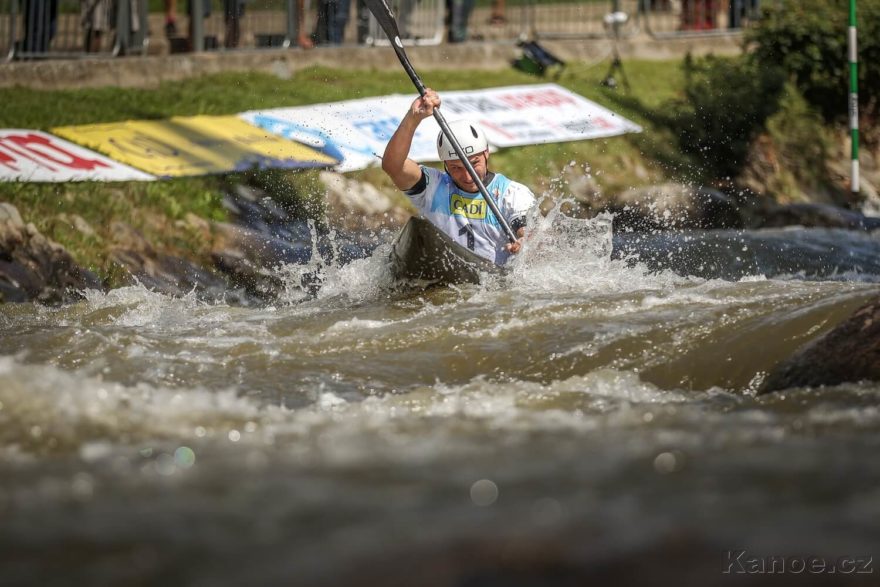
(589, 418)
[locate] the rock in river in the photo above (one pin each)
(32, 267)
(849, 352)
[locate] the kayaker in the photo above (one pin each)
(451, 199)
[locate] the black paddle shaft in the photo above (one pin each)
(386, 20)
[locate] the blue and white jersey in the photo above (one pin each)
(466, 217)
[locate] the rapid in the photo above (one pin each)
(591, 415)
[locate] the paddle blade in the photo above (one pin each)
(385, 18)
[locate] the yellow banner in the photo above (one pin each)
(194, 145)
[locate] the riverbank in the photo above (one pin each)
(123, 232)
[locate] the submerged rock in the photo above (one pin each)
(32, 267)
(850, 352)
(159, 271)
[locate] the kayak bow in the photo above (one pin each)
(423, 253)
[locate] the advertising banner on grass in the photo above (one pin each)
(349, 135)
(534, 114)
(30, 155)
(358, 130)
(354, 130)
(194, 145)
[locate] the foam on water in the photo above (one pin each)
(143, 308)
(46, 409)
(356, 324)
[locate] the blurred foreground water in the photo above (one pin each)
(591, 416)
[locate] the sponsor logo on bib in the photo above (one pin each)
(469, 207)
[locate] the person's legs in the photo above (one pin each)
(498, 16)
(170, 18)
(687, 16)
(233, 11)
(404, 17)
(363, 21)
(39, 25)
(338, 21)
(322, 35)
(754, 8)
(53, 18)
(206, 12)
(460, 13)
(95, 19)
(302, 39)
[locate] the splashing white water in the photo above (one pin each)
(565, 254)
(360, 280)
(146, 308)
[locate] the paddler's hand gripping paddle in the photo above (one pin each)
(386, 20)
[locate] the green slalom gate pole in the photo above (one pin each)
(853, 97)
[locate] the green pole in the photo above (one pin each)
(854, 97)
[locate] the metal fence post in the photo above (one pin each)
(292, 24)
(123, 28)
(13, 20)
(130, 38)
(527, 21)
(142, 38)
(198, 25)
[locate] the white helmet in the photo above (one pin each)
(470, 136)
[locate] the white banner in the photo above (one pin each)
(30, 155)
(358, 130)
(531, 115)
(355, 131)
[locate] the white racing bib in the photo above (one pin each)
(467, 218)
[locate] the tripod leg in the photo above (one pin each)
(609, 80)
(623, 74)
(616, 65)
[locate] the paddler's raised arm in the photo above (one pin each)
(402, 170)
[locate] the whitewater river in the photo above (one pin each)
(590, 417)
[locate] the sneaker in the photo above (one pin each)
(170, 29)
